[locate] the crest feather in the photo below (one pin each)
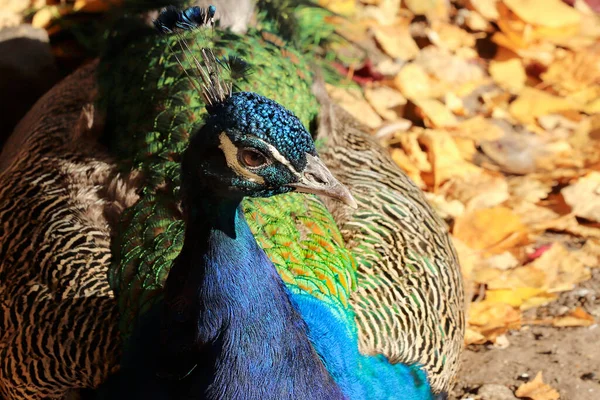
(208, 79)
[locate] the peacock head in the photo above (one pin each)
(252, 146)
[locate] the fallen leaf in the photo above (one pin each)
(584, 196)
(354, 103)
(396, 41)
(95, 6)
(487, 8)
(433, 9)
(537, 390)
(547, 13)
(435, 114)
(482, 229)
(413, 81)
(478, 190)
(388, 103)
(533, 103)
(342, 7)
(449, 37)
(445, 157)
(509, 75)
(474, 337)
(514, 297)
(404, 162)
(479, 128)
(562, 268)
(577, 317)
(493, 319)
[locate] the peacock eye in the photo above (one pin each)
(252, 158)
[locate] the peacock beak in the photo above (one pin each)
(317, 179)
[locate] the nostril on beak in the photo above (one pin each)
(315, 178)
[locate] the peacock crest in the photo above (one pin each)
(212, 77)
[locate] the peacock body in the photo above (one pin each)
(351, 273)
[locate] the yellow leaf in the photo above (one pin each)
(435, 113)
(577, 317)
(388, 103)
(493, 319)
(584, 196)
(445, 157)
(537, 390)
(44, 16)
(402, 160)
(94, 6)
(509, 75)
(482, 229)
(479, 128)
(413, 81)
(342, 7)
(547, 13)
(533, 103)
(354, 103)
(487, 8)
(513, 297)
(396, 41)
(562, 267)
(474, 337)
(433, 9)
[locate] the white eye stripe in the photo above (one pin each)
(230, 151)
(279, 157)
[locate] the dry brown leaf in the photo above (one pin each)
(343, 7)
(479, 190)
(537, 390)
(410, 144)
(509, 75)
(448, 36)
(354, 103)
(577, 317)
(515, 297)
(435, 114)
(479, 128)
(584, 196)
(445, 157)
(563, 269)
(589, 254)
(487, 8)
(474, 337)
(404, 162)
(574, 71)
(433, 9)
(503, 261)
(388, 103)
(547, 13)
(476, 22)
(493, 319)
(522, 277)
(396, 41)
(445, 208)
(483, 229)
(533, 103)
(528, 188)
(413, 81)
(44, 16)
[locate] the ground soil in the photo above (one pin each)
(568, 357)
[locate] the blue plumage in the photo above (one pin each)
(227, 326)
(171, 18)
(250, 113)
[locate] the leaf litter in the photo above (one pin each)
(492, 107)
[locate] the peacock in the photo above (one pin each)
(94, 191)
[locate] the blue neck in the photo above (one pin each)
(229, 327)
